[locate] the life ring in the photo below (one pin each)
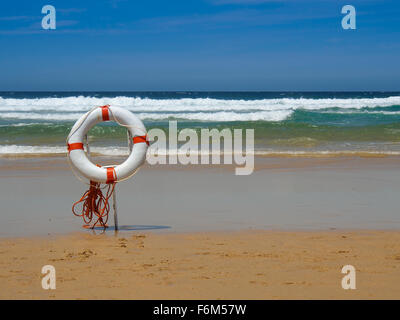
(81, 162)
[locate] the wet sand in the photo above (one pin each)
(282, 193)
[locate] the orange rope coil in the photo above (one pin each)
(95, 206)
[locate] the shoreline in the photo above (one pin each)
(257, 154)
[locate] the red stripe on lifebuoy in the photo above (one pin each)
(104, 113)
(140, 139)
(111, 175)
(75, 146)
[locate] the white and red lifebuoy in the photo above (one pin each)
(93, 172)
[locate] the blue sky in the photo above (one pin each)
(214, 45)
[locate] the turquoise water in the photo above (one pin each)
(38, 122)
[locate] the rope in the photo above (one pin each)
(95, 206)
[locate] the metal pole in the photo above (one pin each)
(115, 209)
(130, 145)
(87, 146)
(130, 141)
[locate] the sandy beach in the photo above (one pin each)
(213, 265)
(201, 232)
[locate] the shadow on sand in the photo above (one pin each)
(132, 228)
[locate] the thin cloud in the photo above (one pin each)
(245, 17)
(66, 23)
(27, 18)
(223, 20)
(243, 2)
(71, 10)
(115, 3)
(36, 28)
(18, 18)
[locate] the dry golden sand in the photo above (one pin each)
(234, 265)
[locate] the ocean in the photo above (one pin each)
(292, 123)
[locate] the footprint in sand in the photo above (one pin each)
(140, 238)
(122, 242)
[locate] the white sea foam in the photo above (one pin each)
(105, 151)
(277, 115)
(21, 150)
(207, 109)
(41, 116)
(24, 124)
(43, 150)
